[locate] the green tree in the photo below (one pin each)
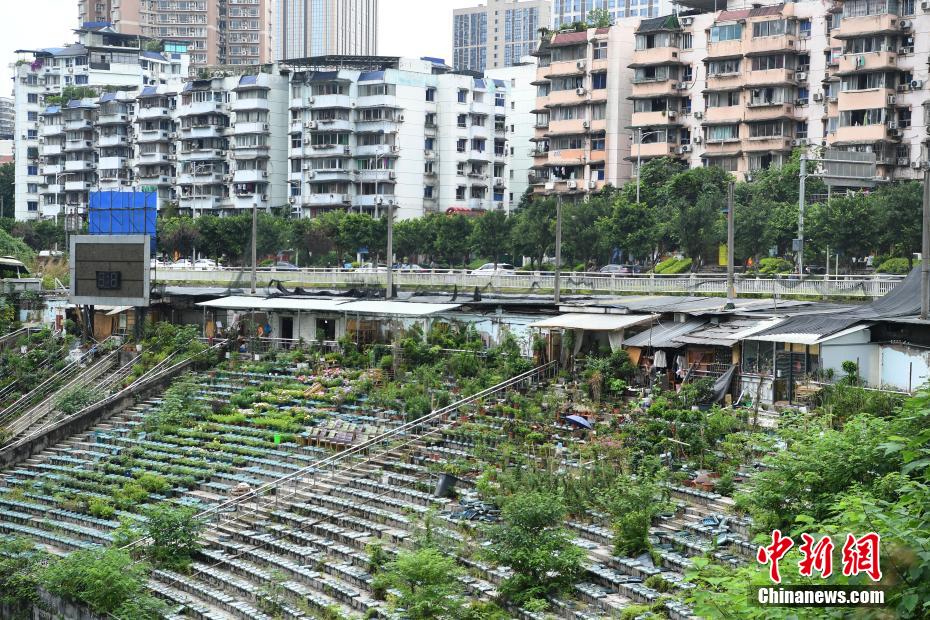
(695, 199)
(7, 184)
(452, 241)
(491, 235)
(599, 18)
(533, 232)
(848, 224)
(20, 564)
(412, 238)
(581, 239)
(177, 235)
(533, 543)
(175, 534)
(629, 227)
(898, 215)
(426, 582)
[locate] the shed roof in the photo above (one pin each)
(663, 336)
(592, 322)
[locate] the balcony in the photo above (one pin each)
(152, 135)
(597, 155)
(374, 175)
(153, 178)
(329, 101)
(652, 149)
(378, 150)
(377, 101)
(51, 130)
(49, 170)
(773, 143)
(862, 134)
(571, 127)
(331, 174)
(768, 111)
(204, 131)
(153, 158)
(77, 186)
(50, 149)
(152, 113)
(250, 176)
(112, 118)
(208, 177)
(770, 76)
(725, 49)
(655, 56)
(865, 99)
(201, 107)
(566, 157)
(851, 27)
(201, 203)
(378, 126)
(723, 115)
(647, 119)
(112, 163)
(564, 68)
(239, 105)
(872, 61)
(771, 45)
(251, 152)
(327, 200)
(112, 140)
(244, 128)
(203, 154)
(646, 89)
(373, 200)
(561, 97)
(79, 165)
(477, 204)
(78, 124)
(329, 150)
(79, 145)
(332, 125)
(52, 188)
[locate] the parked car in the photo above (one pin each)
(490, 269)
(408, 267)
(184, 263)
(205, 264)
(369, 268)
(283, 265)
(157, 263)
(620, 269)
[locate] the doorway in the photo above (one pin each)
(287, 328)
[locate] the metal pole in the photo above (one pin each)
(254, 239)
(731, 283)
(925, 250)
(558, 246)
(389, 293)
(801, 190)
(639, 161)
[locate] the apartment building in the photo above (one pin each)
(394, 132)
(56, 140)
(216, 32)
(567, 12)
(305, 28)
(497, 34)
(741, 89)
(582, 110)
(519, 124)
(7, 118)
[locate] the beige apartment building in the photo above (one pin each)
(497, 34)
(582, 98)
(217, 32)
(739, 88)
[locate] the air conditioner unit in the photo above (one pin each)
(549, 185)
(264, 197)
(698, 115)
(925, 6)
(904, 24)
(801, 76)
(799, 142)
(892, 99)
(580, 64)
(292, 199)
(395, 149)
(498, 181)
(916, 165)
(697, 139)
(672, 115)
(399, 118)
(903, 161)
(310, 173)
(310, 99)
(265, 126)
(818, 96)
(681, 85)
(894, 133)
(892, 125)
(917, 84)
(379, 200)
(686, 21)
(585, 124)
(571, 184)
(684, 148)
(882, 179)
(580, 91)
(264, 174)
(310, 125)
(347, 150)
(392, 175)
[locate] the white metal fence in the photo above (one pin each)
(869, 286)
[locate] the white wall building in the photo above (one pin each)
(519, 125)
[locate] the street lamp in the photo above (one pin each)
(58, 177)
(639, 149)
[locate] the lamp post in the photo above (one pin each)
(58, 177)
(639, 150)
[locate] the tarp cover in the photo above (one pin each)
(722, 385)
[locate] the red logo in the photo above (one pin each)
(860, 555)
(774, 552)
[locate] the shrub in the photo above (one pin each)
(426, 582)
(673, 265)
(772, 266)
(100, 508)
(895, 265)
(175, 533)
(153, 483)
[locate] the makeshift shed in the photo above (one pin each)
(590, 332)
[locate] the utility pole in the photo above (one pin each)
(925, 249)
(801, 191)
(389, 293)
(558, 246)
(254, 240)
(731, 284)
(639, 162)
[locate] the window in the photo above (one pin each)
(477, 144)
(726, 32)
(597, 143)
(427, 191)
(32, 98)
(654, 74)
(769, 95)
(80, 79)
(767, 63)
(32, 170)
(460, 192)
(722, 133)
(804, 29)
(770, 28)
(865, 81)
(32, 188)
(460, 168)
(800, 129)
(599, 112)
(687, 41)
(463, 95)
(722, 99)
(803, 95)
(771, 129)
(904, 118)
(499, 100)
(32, 134)
(429, 144)
(861, 8)
(600, 50)
(371, 90)
(462, 120)
(32, 116)
(428, 168)
(429, 119)
(687, 73)
(730, 164)
(431, 94)
(729, 66)
(461, 145)
(599, 81)
(32, 205)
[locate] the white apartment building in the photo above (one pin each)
(57, 149)
(519, 124)
(395, 132)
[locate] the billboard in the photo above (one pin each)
(110, 270)
(113, 212)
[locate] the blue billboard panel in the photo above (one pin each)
(114, 212)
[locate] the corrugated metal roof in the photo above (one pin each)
(248, 80)
(662, 336)
(593, 322)
(763, 11)
(149, 91)
(53, 109)
(371, 76)
(107, 97)
(726, 334)
(153, 55)
(398, 308)
(569, 38)
(246, 302)
(732, 16)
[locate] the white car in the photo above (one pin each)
(157, 263)
(184, 263)
(489, 269)
(205, 264)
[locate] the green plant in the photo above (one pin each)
(673, 265)
(175, 534)
(100, 508)
(895, 265)
(775, 266)
(426, 582)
